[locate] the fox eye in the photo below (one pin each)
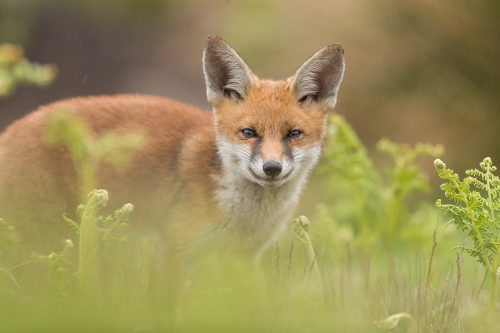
(248, 133)
(294, 134)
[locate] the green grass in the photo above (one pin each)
(375, 255)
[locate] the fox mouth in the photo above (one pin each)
(270, 180)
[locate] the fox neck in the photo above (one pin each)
(256, 215)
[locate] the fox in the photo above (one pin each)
(237, 171)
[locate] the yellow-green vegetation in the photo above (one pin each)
(87, 150)
(373, 203)
(474, 202)
(375, 256)
(16, 70)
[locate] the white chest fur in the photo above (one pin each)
(256, 215)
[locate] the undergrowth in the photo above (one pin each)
(374, 256)
(372, 202)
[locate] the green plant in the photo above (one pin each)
(15, 69)
(87, 149)
(300, 231)
(61, 270)
(404, 177)
(94, 229)
(373, 203)
(474, 203)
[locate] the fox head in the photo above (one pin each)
(270, 132)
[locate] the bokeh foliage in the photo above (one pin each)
(16, 70)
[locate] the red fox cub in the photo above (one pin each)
(237, 171)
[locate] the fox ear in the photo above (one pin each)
(226, 74)
(319, 78)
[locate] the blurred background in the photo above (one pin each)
(417, 70)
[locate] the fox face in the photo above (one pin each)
(270, 132)
(270, 138)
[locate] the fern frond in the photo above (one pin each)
(75, 226)
(476, 183)
(473, 208)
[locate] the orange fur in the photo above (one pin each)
(39, 183)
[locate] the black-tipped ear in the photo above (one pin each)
(319, 78)
(226, 74)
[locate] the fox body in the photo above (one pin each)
(236, 171)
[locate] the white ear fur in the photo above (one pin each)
(318, 79)
(226, 74)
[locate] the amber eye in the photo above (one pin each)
(248, 133)
(294, 134)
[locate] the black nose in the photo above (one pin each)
(272, 168)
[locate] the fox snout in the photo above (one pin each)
(272, 154)
(272, 168)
